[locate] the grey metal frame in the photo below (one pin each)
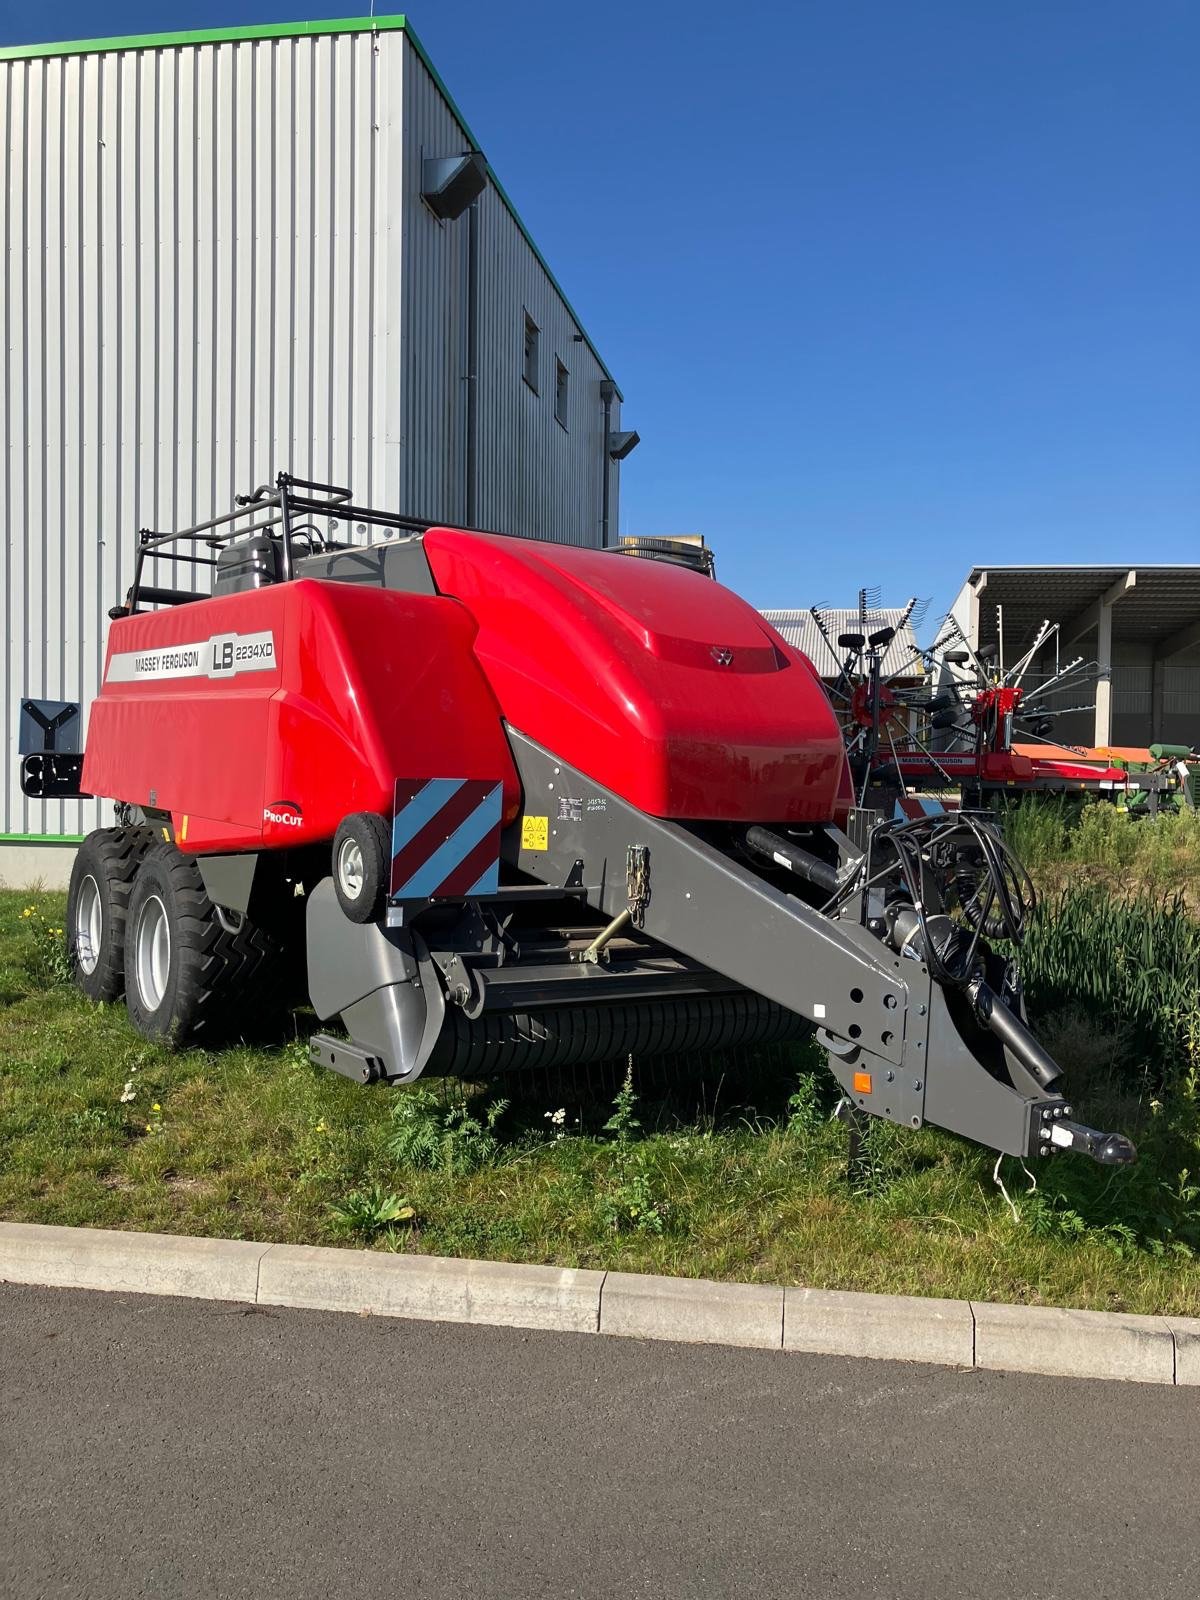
(706, 905)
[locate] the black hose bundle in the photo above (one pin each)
(966, 854)
(981, 888)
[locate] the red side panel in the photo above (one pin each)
(658, 683)
(165, 733)
(265, 718)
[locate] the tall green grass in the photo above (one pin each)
(1116, 935)
(1057, 836)
(1036, 829)
(1131, 963)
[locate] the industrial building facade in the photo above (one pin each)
(227, 254)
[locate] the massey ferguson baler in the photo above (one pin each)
(524, 803)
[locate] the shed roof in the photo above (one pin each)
(1156, 604)
(802, 633)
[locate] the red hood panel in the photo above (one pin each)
(658, 683)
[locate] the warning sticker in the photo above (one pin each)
(535, 833)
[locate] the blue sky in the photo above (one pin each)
(891, 289)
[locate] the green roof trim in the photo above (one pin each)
(295, 30)
(164, 41)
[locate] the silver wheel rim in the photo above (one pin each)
(89, 926)
(350, 868)
(152, 952)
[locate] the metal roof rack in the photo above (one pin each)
(290, 505)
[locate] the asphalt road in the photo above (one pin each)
(180, 1448)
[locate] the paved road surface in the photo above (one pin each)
(179, 1448)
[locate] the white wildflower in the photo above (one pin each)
(128, 1093)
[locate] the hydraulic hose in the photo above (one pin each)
(786, 853)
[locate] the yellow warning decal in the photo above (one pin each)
(183, 830)
(535, 833)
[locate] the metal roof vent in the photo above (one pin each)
(450, 183)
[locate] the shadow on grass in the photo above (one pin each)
(748, 1089)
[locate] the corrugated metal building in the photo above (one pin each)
(218, 264)
(800, 630)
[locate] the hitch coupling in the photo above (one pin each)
(1059, 1132)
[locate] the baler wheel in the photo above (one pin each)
(187, 976)
(361, 865)
(97, 903)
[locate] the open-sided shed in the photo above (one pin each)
(1141, 625)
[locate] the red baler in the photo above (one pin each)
(520, 802)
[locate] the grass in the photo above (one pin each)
(1132, 960)
(1064, 842)
(730, 1170)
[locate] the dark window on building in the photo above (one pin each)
(531, 353)
(561, 380)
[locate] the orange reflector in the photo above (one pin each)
(862, 1083)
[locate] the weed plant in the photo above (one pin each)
(433, 1131)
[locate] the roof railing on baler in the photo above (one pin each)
(290, 505)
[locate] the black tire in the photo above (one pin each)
(97, 901)
(186, 976)
(362, 865)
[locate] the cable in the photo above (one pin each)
(1009, 887)
(999, 1182)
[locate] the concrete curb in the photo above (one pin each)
(958, 1333)
(136, 1263)
(431, 1288)
(692, 1310)
(893, 1327)
(1089, 1344)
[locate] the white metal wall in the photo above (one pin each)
(535, 476)
(192, 276)
(431, 418)
(216, 264)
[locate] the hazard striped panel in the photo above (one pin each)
(911, 806)
(445, 837)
